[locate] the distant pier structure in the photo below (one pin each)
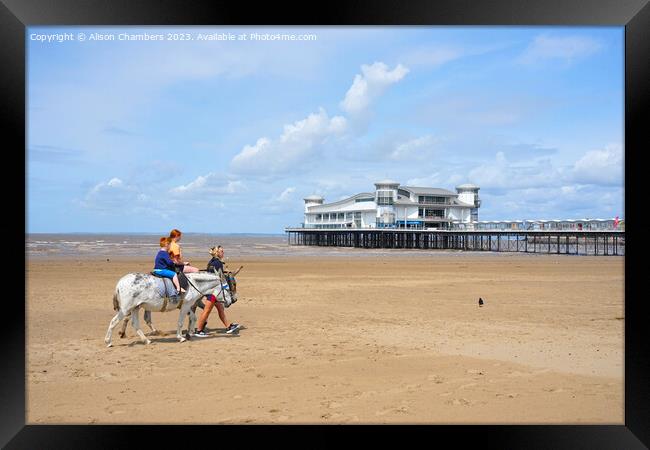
(607, 243)
(406, 217)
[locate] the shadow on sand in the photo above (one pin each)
(170, 336)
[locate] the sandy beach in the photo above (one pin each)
(365, 339)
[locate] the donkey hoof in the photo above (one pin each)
(147, 342)
(122, 335)
(109, 345)
(182, 339)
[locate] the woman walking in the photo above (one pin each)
(216, 264)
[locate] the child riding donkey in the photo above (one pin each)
(164, 266)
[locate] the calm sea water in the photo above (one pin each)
(196, 247)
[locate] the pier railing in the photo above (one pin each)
(574, 242)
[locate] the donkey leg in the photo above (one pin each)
(147, 319)
(125, 322)
(114, 321)
(135, 321)
(192, 322)
(181, 319)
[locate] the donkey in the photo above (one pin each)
(225, 294)
(135, 291)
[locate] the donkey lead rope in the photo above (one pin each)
(197, 289)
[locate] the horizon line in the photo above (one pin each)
(150, 233)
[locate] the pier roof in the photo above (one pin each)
(429, 191)
(353, 206)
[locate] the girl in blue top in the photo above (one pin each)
(164, 266)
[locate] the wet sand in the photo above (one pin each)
(365, 339)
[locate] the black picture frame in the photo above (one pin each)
(16, 15)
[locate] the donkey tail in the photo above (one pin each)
(116, 300)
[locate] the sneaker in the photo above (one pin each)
(232, 328)
(201, 333)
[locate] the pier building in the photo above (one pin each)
(391, 205)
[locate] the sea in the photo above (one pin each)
(196, 247)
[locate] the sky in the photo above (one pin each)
(229, 135)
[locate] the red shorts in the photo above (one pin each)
(211, 298)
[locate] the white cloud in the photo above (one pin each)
(433, 180)
(565, 48)
(303, 141)
(563, 202)
(603, 167)
(503, 174)
(210, 184)
(414, 149)
(114, 186)
(437, 179)
(281, 203)
(286, 194)
(536, 188)
(370, 84)
(116, 197)
(333, 186)
(298, 143)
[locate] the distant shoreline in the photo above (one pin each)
(147, 233)
(196, 247)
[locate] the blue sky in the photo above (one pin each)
(230, 136)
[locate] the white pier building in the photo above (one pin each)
(395, 206)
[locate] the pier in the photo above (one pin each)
(573, 242)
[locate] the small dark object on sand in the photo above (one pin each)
(480, 302)
(107, 259)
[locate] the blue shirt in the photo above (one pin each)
(163, 261)
(216, 263)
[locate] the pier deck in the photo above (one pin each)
(574, 242)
